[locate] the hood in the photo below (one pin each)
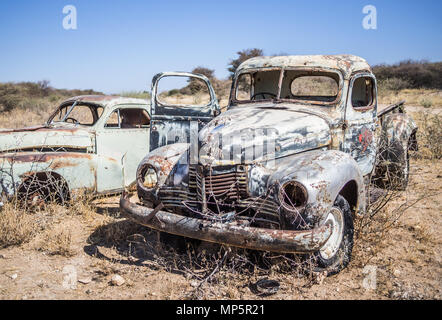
(42, 137)
(258, 133)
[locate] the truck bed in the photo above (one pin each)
(396, 108)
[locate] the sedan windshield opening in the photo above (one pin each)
(77, 113)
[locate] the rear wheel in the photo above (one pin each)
(402, 172)
(44, 187)
(335, 254)
(394, 168)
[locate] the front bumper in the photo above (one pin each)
(283, 241)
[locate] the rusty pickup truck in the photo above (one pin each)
(90, 143)
(285, 168)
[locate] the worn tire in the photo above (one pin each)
(336, 253)
(177, 243)
(401, 172)
(46, 188)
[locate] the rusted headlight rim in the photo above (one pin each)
(142, 173)
(300, 187)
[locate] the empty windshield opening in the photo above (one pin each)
(296, 85)
(259, 85)
(310, 86)
(78, 113)
(183, 91)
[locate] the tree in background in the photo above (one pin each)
(243, 56)
(196, 85)
(209, 73)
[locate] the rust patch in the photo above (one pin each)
(63, 164)
(32, 157)
(365, 138)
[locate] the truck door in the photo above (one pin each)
(360, 116)
(121, 145)
(180, 101)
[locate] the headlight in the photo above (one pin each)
(293, 195)
(147, 177)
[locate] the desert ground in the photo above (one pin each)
(87, 251)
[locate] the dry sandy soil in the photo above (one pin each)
(80, 250)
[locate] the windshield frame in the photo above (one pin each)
(70, 105)
(278, 98)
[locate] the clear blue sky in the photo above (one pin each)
(119, 45)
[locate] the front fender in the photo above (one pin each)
(164, 159)
(397, 127)
(324, 174)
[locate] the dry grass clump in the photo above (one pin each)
(135, 94)
(429, 135)
(21, 222)
(420, 97)
(16, 226)
(57, 242)
(28, 103)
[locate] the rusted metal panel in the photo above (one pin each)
(41, 138)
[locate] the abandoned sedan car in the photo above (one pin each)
(286, 167)
(89, 142)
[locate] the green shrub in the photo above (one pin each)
(418, 74)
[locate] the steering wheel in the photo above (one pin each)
(272, 95)
(73, 120)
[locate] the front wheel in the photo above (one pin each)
(335, 254)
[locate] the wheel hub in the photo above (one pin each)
(331, 247)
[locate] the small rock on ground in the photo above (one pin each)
(85, 280)
(117, 280)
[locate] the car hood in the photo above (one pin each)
(45, 137)
(259, 133)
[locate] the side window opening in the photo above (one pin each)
(244, 87)
(114, 120)
(362, 95)
(128, 119)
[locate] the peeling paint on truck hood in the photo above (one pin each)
(290, 130)
(55, 136)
